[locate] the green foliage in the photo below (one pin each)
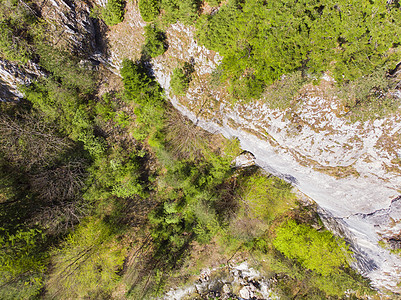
(87, 263)
(66, 68)
(117, 174)
(318, 251)
(186, 11)
(104, 108)
(214, 2)
(155, 42)
(246, 87)
(267, 197)
(63, 97)
(369, 97)
(93, 144)
(113, 13)
(260, 41)
(12, 48)
(149, 9)
(22, 263)
(179, 81)
(59, 104)
(191, 211)
(314, 285)
(122, 119)
(15, 31)
(147, 96)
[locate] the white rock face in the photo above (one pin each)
(243, 160)
(13, 75)
(351, 171)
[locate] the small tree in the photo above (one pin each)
(315, 250)
(113, 13)
(179, 82)
(155, 43)
(214, 2)
(149, 9)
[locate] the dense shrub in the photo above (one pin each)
(186, 11)
(318, 251)
(149, 9)
(262, 40)
(179, 81)
(113, 13)
(155, 42)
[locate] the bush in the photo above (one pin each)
(22, 264)
(266, 197)
(314, 250)
(179, 82)
(149, 9)
(186, 11)
(155, 42)
(87, 263)
(113, 13)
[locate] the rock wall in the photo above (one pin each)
(12, 75)
(70, 25)
(351, 170)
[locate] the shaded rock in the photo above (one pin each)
(245, 159)
(13, 75)
(70, 24)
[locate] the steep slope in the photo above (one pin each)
(351, 170)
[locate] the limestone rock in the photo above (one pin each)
(245, 159)
(12, 75)
(245, 293)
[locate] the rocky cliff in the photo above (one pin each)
(351, 170)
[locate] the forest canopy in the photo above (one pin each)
(262, 40)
